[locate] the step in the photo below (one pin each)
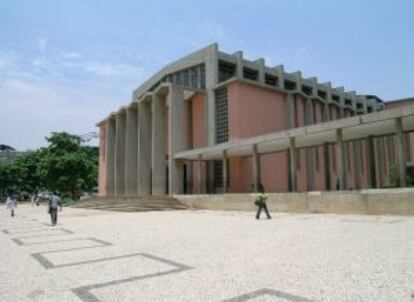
(129, 204)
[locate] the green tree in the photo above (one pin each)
(8, 178)
(27, 170)
(67, 166)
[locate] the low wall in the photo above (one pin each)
(374, 202)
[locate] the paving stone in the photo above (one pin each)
(205, 256)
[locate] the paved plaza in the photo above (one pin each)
(96, 255)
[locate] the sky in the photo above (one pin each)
(64, 65)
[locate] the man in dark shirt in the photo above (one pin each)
(54, 205)
(261, 203)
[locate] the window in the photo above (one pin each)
(307, 90)
(227, 70)
(322, 94)
(193, 77)
(202, 76)
(348, 102)
(250, 74)
(271, 80)
(186, 77)
(335, 98)
(289, 85)
(222, 130)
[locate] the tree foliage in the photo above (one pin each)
(68, 167)
(64, 166)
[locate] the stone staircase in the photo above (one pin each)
(125, 204)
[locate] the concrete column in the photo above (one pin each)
(239, 64)
(290, 111)
(200, 175)
(131, 152)
(144, 148)
(379, 159)
(292, 164)
(340, 154)
(341, 102)
(110, 157)
(325, 113)
(159, 119)
(120, 154)
(310, 152)
(281, 76)
(261, 66)
(401, 151)
(256, 169)
(370, 155)
(176, 138)
(357, 163)
(327, 166)
(211, 81)
(225, 176)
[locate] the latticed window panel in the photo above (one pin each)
(218, 174)
(193, 77)
(222, 128)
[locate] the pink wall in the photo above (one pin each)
(254, 111)
(198, 138)
(102, 163)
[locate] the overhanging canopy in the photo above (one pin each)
(353, 128)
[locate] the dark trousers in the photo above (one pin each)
(259, 210)
(53, 215)
(12, 212)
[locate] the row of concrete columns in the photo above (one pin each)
(136, 145)
(342, 154)
(341, 160)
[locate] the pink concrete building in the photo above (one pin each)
(214, 122)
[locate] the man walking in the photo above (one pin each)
(54, 205)
(11, 204)
(260, 202)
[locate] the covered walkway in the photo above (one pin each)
(397, 121)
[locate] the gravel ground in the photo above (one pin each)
(204, 256)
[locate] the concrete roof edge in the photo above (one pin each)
(196, 57)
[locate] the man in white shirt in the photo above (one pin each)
(54, 205)
(11, 204)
